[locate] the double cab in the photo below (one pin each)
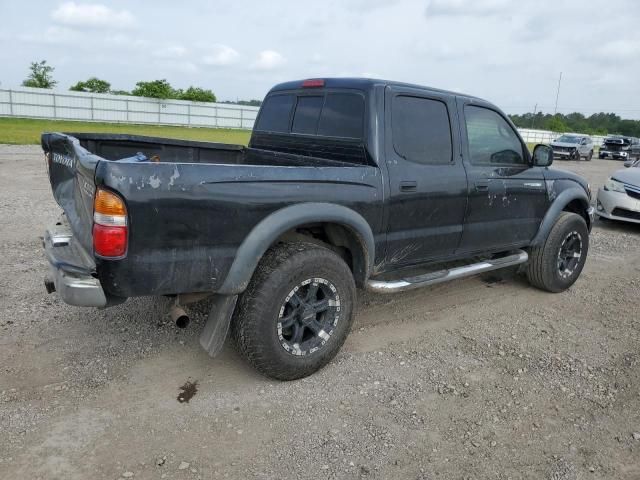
(346, 183)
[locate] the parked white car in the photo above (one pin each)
(619, 199)
(572, 147)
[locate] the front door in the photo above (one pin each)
(507, 195)
(427, 181)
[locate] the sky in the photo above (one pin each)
(506, 51)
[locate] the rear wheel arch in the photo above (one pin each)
(338, 237)
(333, 226)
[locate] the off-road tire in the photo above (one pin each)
(543, 269)
(259, 310)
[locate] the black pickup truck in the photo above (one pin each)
(619, 147)
(346, 183)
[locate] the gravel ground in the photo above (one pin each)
(481, 378)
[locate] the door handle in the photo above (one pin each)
(408, 186)
(482, 186)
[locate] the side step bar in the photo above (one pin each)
(431, 278)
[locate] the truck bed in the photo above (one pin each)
(167, 150)
(118, 146)
(190, 209)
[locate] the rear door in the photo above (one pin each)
(427, 181)
(507, 195)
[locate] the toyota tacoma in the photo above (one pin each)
(345, 184)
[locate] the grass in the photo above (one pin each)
(22, 131)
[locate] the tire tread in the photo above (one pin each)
(540, 267)
(259, 297)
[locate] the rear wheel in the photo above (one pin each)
(296, 312)
(557, 264)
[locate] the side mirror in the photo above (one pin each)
(542, 155)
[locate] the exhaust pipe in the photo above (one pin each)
(179, 316)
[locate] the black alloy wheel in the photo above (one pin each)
(308, 316)
(570, 254)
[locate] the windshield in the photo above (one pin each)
(568, 139)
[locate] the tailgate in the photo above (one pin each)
(71, 173)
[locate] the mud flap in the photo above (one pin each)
(215, 330)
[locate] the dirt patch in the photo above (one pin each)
(189, 389)
(454, 381)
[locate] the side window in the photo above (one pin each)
(275, 114)
(491, 139)
(305, 119)
(421, 130)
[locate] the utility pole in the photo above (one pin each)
(533, 119)
(555, 110)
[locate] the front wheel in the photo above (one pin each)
(557, 264)
(590, 156)
(296, 312)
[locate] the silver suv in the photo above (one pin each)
(571, 146)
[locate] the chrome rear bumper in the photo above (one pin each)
(78, 290)
(71, 269)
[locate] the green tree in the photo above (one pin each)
(251, 103)
(197, 94)
(41, 76)
(556, 124)
(154, 89)
(93, 85)
(597, 124)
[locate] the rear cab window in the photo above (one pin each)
(321, 123)
(276, 113)
(335, 114)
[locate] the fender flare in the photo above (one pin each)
(558, 205)
(274, 225)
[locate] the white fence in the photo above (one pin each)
(97, 107)
(546, 136)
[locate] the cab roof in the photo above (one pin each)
(363, 84)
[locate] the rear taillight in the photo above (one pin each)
(109, 224)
